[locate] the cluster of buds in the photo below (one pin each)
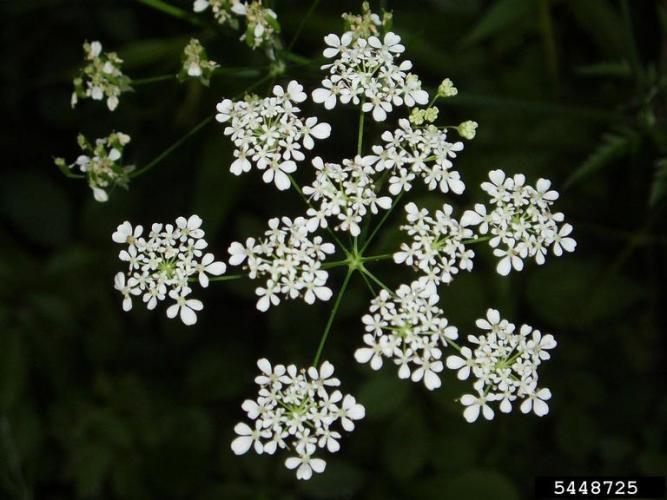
(196, 63)
(101, 164)
(261, 22)
(101, 77)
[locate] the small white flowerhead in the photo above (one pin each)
(269, 134)
(300, 411)
(165, 263)
(504, 363)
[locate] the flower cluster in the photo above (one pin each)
(290, 258)
(365, 71)
(261, 22)
(345, 192)
(269, 133)
(164, 263)
(438, 244)
(101, 77)
(196, 63)
(410, 329)
(410, 151)
(504, 363)
(298, 410)
(101, 163)
(520, 224)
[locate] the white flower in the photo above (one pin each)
(164, 263)
(473, 406)
(345, 192)
(520, 223)
(268, 133)
(410, 329)
(504, 363)
(299, 411)
(125, 234)
(305, 466)
(249, 437)
(366, 69)
(536, 402)
(410, 151)
(438, 244)
(290, 258)
(185, 306)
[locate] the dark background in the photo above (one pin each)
(97, 403)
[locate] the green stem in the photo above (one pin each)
(228, 277)
(630, 42)
(332, 315)
(548, 39)
(360, 133)
(302, 24)
(172, 10)
(368, 283)
(375, 258)
(152, 79)
(374, 278)
(172, 148)
(334, 264)
(192, 132)
(382, 221)
(477, 240)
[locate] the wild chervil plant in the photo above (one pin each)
(302, 410)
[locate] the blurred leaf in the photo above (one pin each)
(659, 186)
(619, 69)
(565, 293)
(501, 16)
(576, 433)
(12, 369)
(216, 189)
(612, 147)
(407, 433)
(89, 466)
(37, 207)
(382, 394)
(339, 480)
(602, 23)
(472, 485)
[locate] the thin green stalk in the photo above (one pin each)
(630, 42)
(152, 79)
(172, 148)
(172, 10)
(332, 315)
(360, 133)
(302, 24)
(548, 39)
(477, 240)
(228, 277)
(334, 264)
(382, 221)
(376, 258)
(192, 132)
(376, 279)
(368, 283)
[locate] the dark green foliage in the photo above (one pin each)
(97, 403)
